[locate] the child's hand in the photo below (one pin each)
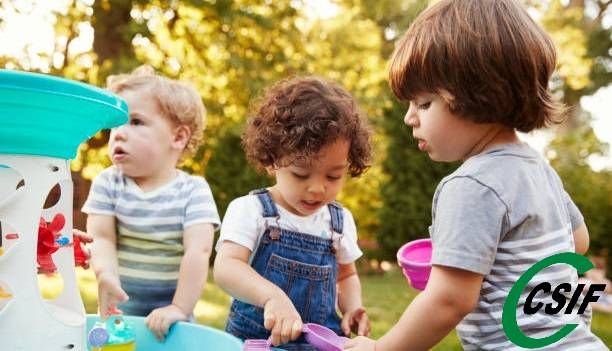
(160, 320)
(85, 238)
(356, 321)
(109, 294)
(282, 319)
(360, 343)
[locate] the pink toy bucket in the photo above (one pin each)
(415, 260)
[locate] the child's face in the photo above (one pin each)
(145, 145)
(305, 188)
(443, 135)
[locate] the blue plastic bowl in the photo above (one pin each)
(182, 337)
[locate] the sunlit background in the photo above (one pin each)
(232, 50)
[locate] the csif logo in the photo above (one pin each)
(509, 322)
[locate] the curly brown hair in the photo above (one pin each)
(297, 117)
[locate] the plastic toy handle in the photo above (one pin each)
(257, 345)
(62, 241)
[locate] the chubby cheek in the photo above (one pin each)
(292, 195)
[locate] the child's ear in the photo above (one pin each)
(181, 137)
(270, 171)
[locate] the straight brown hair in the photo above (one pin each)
(489, 55)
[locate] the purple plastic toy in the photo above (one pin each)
(322, 338)
(415, 260)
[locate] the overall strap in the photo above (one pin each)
(337, 216)
(269, 208)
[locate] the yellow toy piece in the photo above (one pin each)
(4, 294)
(130, 346)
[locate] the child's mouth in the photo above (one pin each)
(119, 154)
(311, 205)
(422, 144)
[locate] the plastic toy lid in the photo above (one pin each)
(97, 336)
(50, 116)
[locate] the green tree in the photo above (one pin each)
(407, 178)
(590, 190)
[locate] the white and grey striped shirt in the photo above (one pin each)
(150, 226)
(497, 215)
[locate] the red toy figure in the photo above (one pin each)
(47, 234)
(80, 257)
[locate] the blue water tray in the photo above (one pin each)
(181, 337)
(50, 116)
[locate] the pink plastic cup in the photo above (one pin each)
(415, 260)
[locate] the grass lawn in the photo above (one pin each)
(385, 296)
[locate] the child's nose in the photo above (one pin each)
(118, 133)
(410, 119)
(316, 188)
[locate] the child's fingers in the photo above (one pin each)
(345, 324)
(119, 295)
(275, 334)
(364, 326)
(286, 331)
(84, 237)
(153, 323)
(296, 330)
(269, 320)
(359, 312)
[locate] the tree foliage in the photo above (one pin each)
(230, 50)
(590, 190)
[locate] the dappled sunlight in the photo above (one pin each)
(211, 314)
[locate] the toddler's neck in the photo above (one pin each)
(497, 135)
(152, 182)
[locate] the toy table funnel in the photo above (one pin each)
(415, 260)
(43, 119)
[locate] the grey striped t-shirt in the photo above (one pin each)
(497, 215)
(150, 228)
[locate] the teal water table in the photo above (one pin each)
(181, 337)
(43, 120)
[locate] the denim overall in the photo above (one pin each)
(301, 264)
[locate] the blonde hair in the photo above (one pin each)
(176, 100)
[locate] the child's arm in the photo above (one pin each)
(450, 295)
(234, 275)
(354, 316)
(197, 241)
(581, 239)
(104, 262)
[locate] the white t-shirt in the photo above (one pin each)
(244, 224)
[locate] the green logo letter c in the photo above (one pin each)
(510, 325)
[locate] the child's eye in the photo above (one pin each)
(136, 122)
(333, 178)
(424, 106)
(300, 176)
